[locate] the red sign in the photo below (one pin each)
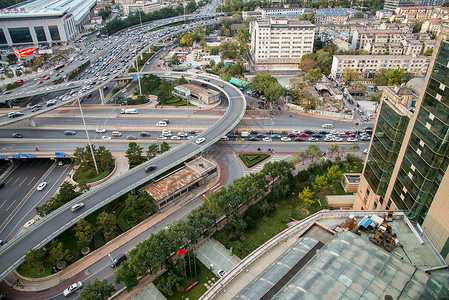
(25, 52)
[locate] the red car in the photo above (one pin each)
(303, 134)
(299, 139)
(291, 135)
(352, 135)
(47, 77)
(40, 82)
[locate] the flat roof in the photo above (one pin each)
(171, 184)
(347, 266)
(46, 8)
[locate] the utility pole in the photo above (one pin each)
(87, 134)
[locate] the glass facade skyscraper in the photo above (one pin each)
(407, 165)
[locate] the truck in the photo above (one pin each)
(129, 111)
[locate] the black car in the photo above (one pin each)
(261, 135)
(17, 135)
(231, 135)
(254, 132)
(2, 184)
(368, 128)
(69, 132)
(253, 139)
(118, 260)
(324, 132)
(145, 134)
(316, 135)
(150, 168)
(309, 131)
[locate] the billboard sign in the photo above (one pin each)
(24, 52)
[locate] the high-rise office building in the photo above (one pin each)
(408, 160)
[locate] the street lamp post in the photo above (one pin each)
(87, 134)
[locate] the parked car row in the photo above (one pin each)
(299, 136)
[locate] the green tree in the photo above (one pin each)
(314, 75)
(106, 220)
(380, 79)
(152, 151)
(428, 52)
(355, 148)
(303, 156)
(214, 50)
(376, 96)
(134, 153)
(314, 151)
(350, 75)
(56, 252)
(306, 196)
(333, 148)
(395, 77)
(174, 60)
(308, 17)
(83, 230)
(137, 205)
(417, 26)
(164, 147)
(126, 275)
(170, 282)
(33, 261)
(307, 64)
(358, 15)
(97, 290)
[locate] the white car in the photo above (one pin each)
(365, 151)
(167, 74)
(328, 139)
(221, 273)
(338, 139)
(105, 137)
(100, 130)
(285, 139)
(71, 289)
(161, 137)
(267, 139)
(200, 140)
(312, 139)
(351, 139)
(175, 137)
(41, 186)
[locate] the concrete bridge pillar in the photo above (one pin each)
(32, 123)
(100, 90)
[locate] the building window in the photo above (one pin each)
(54, 33)
(2, 37)
(20, 35)
(40, 34)
(366, 196)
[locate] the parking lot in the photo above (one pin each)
(216, 257)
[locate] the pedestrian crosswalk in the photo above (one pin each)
(273, 158)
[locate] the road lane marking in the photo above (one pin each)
(11, 205)
(31, 180)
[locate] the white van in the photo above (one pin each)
(327, 126)
(161, 124)
(116, 133)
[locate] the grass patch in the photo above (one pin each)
(122, 224)
(177, 102)
(203, 275)
(250, 160)
(98, 240)
(83, 176)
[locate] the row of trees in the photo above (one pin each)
(134, 152)
(156, 252)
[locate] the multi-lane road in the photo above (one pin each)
(47, 228)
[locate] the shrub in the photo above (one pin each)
(250, 160)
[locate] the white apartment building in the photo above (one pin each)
(281, 41)
(368, 65)
(146, 7)
(362, 37)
